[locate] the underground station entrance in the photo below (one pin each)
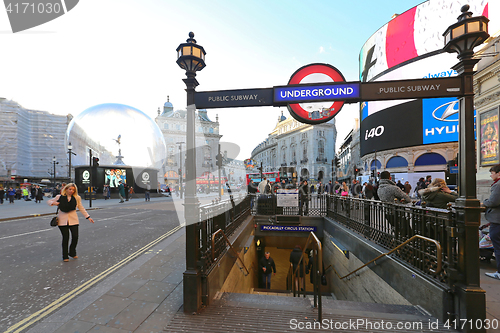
(365, 261)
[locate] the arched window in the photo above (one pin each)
(397, 161)
(430, 159)
(375, 165)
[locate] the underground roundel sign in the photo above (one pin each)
(316, 112)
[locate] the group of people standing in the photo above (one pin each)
(11, 194)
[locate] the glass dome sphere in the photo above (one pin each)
(118, 135)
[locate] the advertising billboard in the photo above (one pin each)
(489, 137)
(410, 47)
(112, 177)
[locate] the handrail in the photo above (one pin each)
(311, 239)
(230, 246)
(438, 255)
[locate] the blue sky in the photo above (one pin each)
(112, 51)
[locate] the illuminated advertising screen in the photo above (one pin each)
(410, 47)
(112, 177)
(378, 131)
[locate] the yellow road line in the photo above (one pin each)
(75, 292)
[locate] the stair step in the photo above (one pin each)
(264, 313)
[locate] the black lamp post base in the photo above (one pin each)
(467, 301)
(192, 291)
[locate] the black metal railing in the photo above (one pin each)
(389, 225)
(266, 204)
(386, 224)
(227, 216)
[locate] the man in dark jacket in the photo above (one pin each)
(267, 266)
(304, 198)
(492, 215)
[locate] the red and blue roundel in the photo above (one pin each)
(317, 112)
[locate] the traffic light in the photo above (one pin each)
(95, 161)
(356, 170)
(337, 162)
(373, 173)
(219, 160)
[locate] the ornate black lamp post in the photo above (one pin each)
(191, 57)
(54, 160)
(461, 38)
(70, 147)
(181, 157)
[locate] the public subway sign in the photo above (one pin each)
(233, 98)
(411, 89)
(316, 93)
(295, 228)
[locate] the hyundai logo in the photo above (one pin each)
(450, 109)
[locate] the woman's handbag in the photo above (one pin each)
(55, 220)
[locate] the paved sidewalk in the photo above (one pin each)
(141, 297)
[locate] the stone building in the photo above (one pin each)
(29, 142)
(487, 103)
(309, 149)
(173, 126)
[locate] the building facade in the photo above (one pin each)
(30, 142)
(173, 126)
(309, 149)
(487, 103)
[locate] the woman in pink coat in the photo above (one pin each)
(68, 201)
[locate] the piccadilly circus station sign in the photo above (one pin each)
(316, 93)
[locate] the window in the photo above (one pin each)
(321, 149)
(165, 126)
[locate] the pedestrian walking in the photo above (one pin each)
(304, 198)
(105, 192)
(68, 201)
(368, 192)
(2, 195)
(267, 267)
(38, 194)
(407, 187)
(25, 193)
(121, 191)
(147, 195)
(11, 193)
(492, 215)
(126, 188)
(130, 192)
(400, 185)
(295, 257)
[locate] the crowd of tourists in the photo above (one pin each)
(35, 193)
